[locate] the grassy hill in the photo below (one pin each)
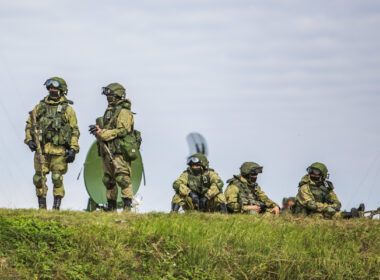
(78, 245)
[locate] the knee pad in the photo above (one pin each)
(38, 180)
(123, 181)
(108, 182)
(57, 179)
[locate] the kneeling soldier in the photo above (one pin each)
(244, 195)
(199, 187)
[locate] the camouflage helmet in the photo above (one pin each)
(250, 168)
(114, 88)
(62, 86)
(316, 168)
(198, 158)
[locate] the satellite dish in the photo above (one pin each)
(93, 174)
(197, 143)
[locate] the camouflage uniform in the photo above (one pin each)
(58, 129)
(208, 184)
(241, 193)
(317, 198)
(286, 210)
(116, 123)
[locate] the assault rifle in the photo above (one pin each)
(37, 138)
(102, 144)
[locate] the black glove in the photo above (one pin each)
(194, 198)
(203, 203)
(70, 155)
(32, 145)
(93, 129)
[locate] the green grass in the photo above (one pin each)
(78, 245)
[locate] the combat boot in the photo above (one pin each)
(127, 204)
(111, 205)
(175, 207)
(223, 208)
(41, 202)
(57, 202)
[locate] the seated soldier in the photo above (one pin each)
(316, 196)
(287, 203)
(199, 188)
(244, 195)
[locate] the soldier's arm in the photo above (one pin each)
(264, 198)
(124, 125)
(333, 200)
(216, 186)
(72, 118)
(180, 185)
(306, 199)
(28, 127)
(232, 197)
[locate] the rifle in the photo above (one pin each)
(99, 122)
(371, 213)
(40, 157)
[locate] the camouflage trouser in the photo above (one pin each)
(57, 166)
(117, 176)
(187, 204)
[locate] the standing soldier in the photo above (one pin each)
(199, 187)
(244, 195)
(52, 132)
(111, 131)
(316, 196)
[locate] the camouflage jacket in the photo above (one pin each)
(117, 122)
(57, 126)
(240, 194)
(312, 198)
(207, 184)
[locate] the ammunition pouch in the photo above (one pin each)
(130, 145)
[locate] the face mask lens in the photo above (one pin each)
(193, 160)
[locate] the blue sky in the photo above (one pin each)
(282, 83)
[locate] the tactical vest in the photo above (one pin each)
(247, 195)
(53, 125)
(320, 194)
(110, 122)
(199, 184)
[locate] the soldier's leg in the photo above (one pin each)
(123, 180)
(110, 184)
(58, 166)
(217, 204)
(177, 202)
(39, 180)
(187, 203)
(111, 191)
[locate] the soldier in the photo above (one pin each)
(244, 195)
(287, 203)
(110, 132)
(316, 196)
(199, 187)
(52, 132)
